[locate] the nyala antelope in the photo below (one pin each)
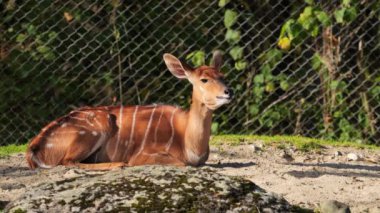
(115, 136)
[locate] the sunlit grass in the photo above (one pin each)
(11, 149)
(281, 141)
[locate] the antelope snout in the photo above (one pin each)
(229, 93)
(226, 97)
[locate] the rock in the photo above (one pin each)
(12, 186)
(337, 153)
(255, 148)
(333, 206)
(286, 156)
(373, 159)
(147, 189)
(353, 157)
(214, 157)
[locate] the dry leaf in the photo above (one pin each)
(68, 16)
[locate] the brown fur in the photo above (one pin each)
(108, 137)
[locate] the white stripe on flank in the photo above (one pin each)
(133, 123)
(68, 132)
(77, 118)
(118, 132)
(158, 125)
(99, 142)
(87, 121)
(97, 122)
(169, 144)
(151, 154)
(96, 157)
(146, 131)
(80, 126)
(132, 132)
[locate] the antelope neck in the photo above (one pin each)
(198, 129)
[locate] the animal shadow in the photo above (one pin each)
(230, 164)
(337, 169)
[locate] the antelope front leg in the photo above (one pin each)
(155, 159)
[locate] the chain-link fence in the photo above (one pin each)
(296, 67)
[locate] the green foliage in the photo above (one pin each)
(303, 143)
(11, 149)
(346, 15)
(236, 52)
(323, 18)
(214, 128)
(71, 55)
(233, 36)
(197, 58)
(230, 18)
(223, 3)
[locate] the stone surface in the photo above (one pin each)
(333, 206)
(352, 157)
(338, 153)
(150, 188)
(255, 148)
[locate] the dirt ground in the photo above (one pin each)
(305, 179)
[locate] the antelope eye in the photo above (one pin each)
(204, 80)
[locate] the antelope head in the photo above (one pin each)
(208, 83)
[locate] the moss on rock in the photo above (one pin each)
(151, 189)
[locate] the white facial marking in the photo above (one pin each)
(94, 133)
(49, 145)
(169, 144)
(82, 132)
(202, 89)
(64, 125)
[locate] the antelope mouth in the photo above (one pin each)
(229, 98)
(221, 100)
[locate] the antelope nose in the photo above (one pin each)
(228, 92)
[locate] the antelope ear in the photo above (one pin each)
(176, 67)
(217, 59)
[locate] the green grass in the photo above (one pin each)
(281, 141)
(302, 143)
(11, 149)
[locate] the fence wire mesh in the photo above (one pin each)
(296, 67)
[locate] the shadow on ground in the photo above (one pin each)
(231, 165)
(17, 171)
(338, 170)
